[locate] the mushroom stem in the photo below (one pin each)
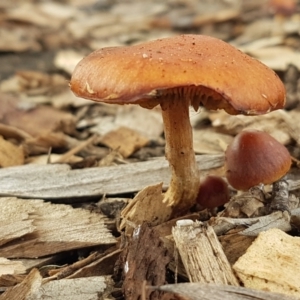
(185, 181)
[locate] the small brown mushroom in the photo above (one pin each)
(213, 192)
(284, 8)
(174, 73)
(255, 157)
(281, 11)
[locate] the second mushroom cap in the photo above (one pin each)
(255, 157)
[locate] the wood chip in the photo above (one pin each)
(77, 228)
(11, 267)
(58, 181)
(32, 288)
(202, 254)
(272, 263)
(200, 291)
(147, 206)
(15, 221)
(91, 288)
(27, 287)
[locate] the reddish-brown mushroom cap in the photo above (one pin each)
(217, 75)
(177, 72)
(283, 7)
(255, 157)
(213, 192)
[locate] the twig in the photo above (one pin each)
(76, 149)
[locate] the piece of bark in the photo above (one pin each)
(58, 181)
(144, 260)
(202, 254)
(57, 228)
(200, 291)
(271, 263)
(235, 244)
(125, 140)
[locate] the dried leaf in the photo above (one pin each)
(39, 120)
(273, 123)
(277, 57)
(125, 140)
(10, 154)
(19, 38)
(208, 141)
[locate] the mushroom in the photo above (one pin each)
(213, 192)
(254, 157)
(284, 8)
(174, 73)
